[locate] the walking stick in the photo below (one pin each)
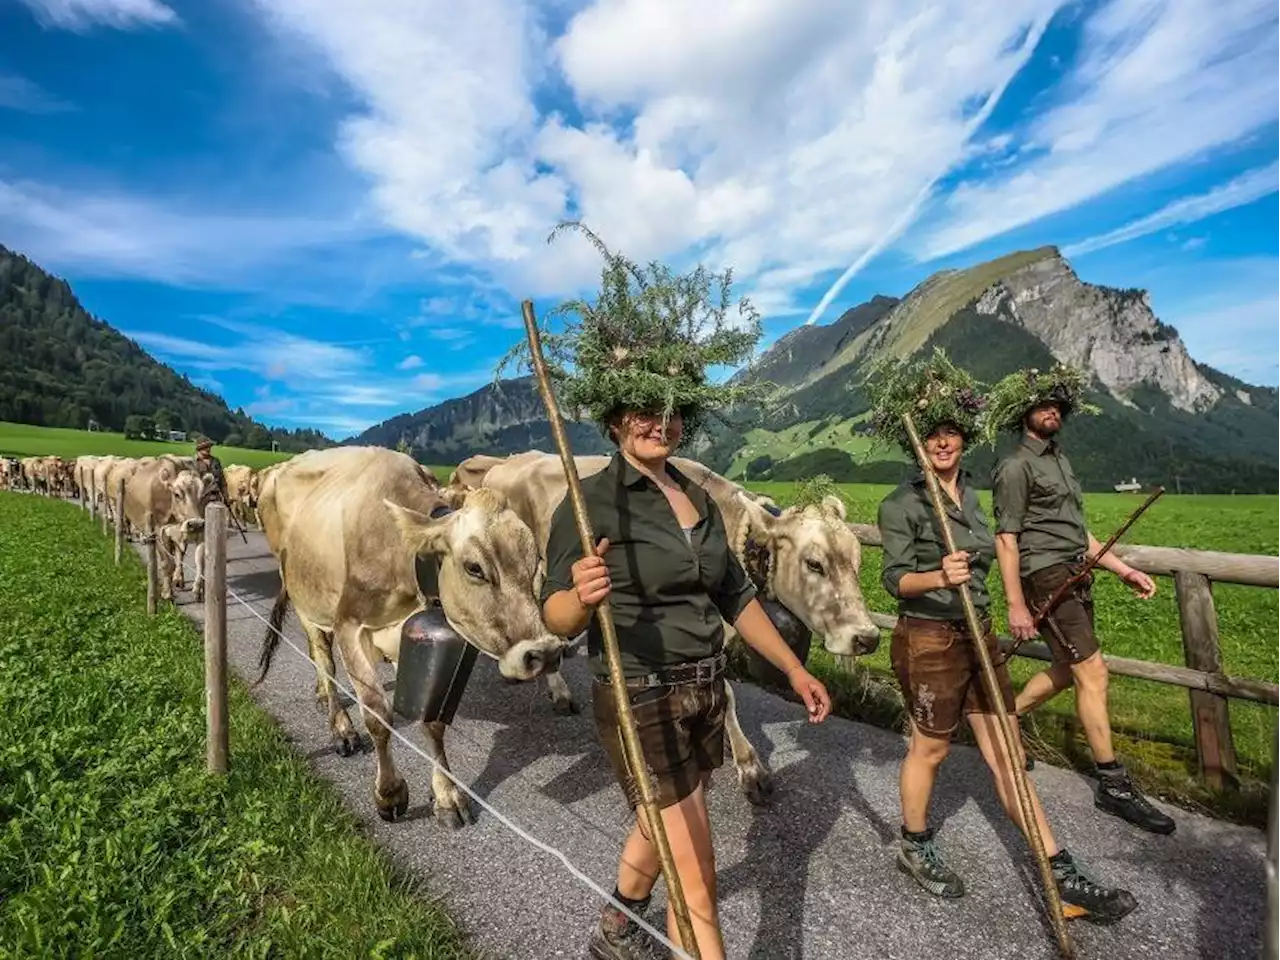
(231, 513)
(1011, 740)
(617, 683)
(1058, 595)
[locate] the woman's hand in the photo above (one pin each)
(810, 689)
(591, 577)
(955, 568)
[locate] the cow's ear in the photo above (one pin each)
(422, 533)
(834, 506)
(759, 520)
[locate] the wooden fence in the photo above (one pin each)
(1194, 572)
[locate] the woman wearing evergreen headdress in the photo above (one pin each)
(640, 354)
(932, 651)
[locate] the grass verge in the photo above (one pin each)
(113, 840)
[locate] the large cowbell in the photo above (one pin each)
(435, 663)
(793, 631)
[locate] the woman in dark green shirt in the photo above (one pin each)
(672, 580)
(933, 652)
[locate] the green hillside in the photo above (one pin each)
(61, 367)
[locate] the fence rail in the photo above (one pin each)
(1194, 572)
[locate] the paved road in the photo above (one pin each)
(812, 876)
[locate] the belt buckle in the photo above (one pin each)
(704, 679)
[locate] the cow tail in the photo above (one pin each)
(275, 626)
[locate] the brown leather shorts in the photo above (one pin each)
(941, 678)
(681, 731)
(1074, 640)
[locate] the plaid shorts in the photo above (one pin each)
(681, 731)
(941, 678)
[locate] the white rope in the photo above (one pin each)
(490, 809)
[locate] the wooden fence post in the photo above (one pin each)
(152, 586)
(120, 522)
(1209, 715)
(215, 635)
(106, 494)
(1272, 929)
(93, 504)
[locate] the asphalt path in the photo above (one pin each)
(810, 876)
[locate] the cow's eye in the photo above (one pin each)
(473, 569)
(815, 566)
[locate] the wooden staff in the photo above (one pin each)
(617, 683)
(1043, 614)
(1007, 732)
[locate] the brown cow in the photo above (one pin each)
(346, 525)
(239, 491)
(806, 558)
(157, 492)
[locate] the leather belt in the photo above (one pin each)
(700, 673)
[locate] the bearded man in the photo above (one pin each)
(1042, 541)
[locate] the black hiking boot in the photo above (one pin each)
(618, 937)
(1082, 896)
(1117, 795)
(921, 859)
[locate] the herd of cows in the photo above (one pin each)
(347, 525)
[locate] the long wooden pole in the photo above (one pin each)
(617, 682)
(120, 522)
(215, 636)
(1012, 742)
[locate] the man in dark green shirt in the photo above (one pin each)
(1042, 540)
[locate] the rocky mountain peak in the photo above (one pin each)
(1111, 332)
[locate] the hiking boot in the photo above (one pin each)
(1117, 795)
(1083, 896)
(922, 860)
(618, 937)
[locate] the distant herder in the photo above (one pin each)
(1042, 541)
(208, 464)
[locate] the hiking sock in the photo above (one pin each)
(635, 906)
(1112, 768)
(920, 837)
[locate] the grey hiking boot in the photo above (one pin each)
(1083, 896)
(922, 860)
(1117, 795)
(618, 937)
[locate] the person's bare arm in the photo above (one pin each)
(1135, 579)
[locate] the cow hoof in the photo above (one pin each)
(395, 805)
(347, 744)
(565, 707)
(756, 782)
(455, 814)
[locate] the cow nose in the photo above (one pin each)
(868, 643)
(536, 662)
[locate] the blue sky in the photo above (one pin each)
(329, 211)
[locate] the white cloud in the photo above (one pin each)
(81, 15)
(1157, 84)
(19, 93)
(411, 362)
(1242, 190)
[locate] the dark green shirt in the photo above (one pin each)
(913, 544)
(1036, 495)
(670, 592)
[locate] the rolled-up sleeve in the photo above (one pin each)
(1009, 485)
(735, 592)
(563, 551)
(898, 540)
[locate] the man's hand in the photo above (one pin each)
(1139, 583)
(955, 568)
(1021, 625)
(810, 689)
(591, 577)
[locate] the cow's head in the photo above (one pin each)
(488, 559)
(189, 493)
(815, 559)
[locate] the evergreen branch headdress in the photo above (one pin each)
(646, 340)
(933, 389)
(1011, 398)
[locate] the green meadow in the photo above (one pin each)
(23, 440)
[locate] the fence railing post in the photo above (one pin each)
(215, 635)
(120, 522)
(1272, 929)
(106, 495)
(1209, 713)
(152, 585)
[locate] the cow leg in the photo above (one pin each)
(346, 741)
(452, 808)
(561, 699)
(754, 777)
(390, 792)
(179, 548)
(198, 586)
(165, 560)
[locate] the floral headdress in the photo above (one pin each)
(1011, 398)
(933, 390)
(646, 342)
